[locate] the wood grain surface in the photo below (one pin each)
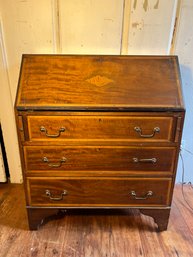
(100, 158)
(96, 234)
(100, 127)
(128, 125)
(104, 192)
(99, 82)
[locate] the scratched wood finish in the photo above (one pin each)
(98, 192)
(94, 233)
(95, 127)
(99, 82)
(99, 158)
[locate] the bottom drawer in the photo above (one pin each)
(98, 192)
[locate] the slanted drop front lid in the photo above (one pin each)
(85, 82)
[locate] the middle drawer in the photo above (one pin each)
(101, 158)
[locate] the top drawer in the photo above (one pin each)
(101, 127)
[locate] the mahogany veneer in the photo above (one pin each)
(99, 132)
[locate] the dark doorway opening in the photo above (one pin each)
(4, 154)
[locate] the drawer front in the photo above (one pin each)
(57, 158)
(98, 192)
(84, 128)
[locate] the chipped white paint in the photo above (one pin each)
(184, 48)
(2, 168)
(91, 27)
(151, 26)
(146, 4)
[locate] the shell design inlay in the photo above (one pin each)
(99, 80)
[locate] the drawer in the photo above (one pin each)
(98, 192)
(98, 127)
(101, 158)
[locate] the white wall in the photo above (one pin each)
(91, 27)
(86, 26)
(151, 27)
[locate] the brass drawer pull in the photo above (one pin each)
(43, 129)
(139, 131)
(152, 160)
(148, 194)
(48, 194)
(54, 165)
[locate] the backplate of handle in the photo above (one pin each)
(54, 165)
(43, 129)
(150, 160)
(55, 198)
(139, 131)
(146, 196)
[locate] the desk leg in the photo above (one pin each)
(38, 217)
(160, 216)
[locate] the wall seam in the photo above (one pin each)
(125, 27)
(56, 26)
(176, 29)
(173, 26)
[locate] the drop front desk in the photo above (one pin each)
(99, 132)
